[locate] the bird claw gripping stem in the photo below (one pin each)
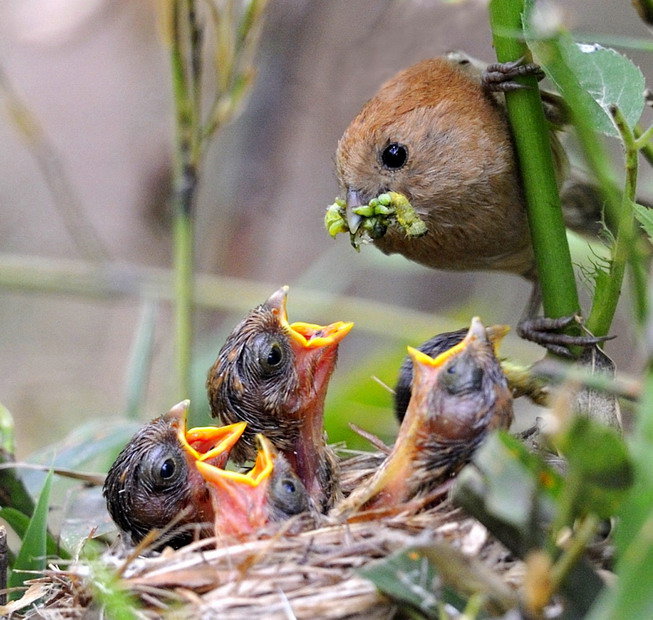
(384, 210)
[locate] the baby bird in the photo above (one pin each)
(457, 399)
(154, 480)
(244, 503)
(433, 347)
(274, 376)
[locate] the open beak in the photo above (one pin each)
(476, 333)
(306, 336)
(388, 486)
(354, 199)
(315, 349)
(206, 443)
(240, 500)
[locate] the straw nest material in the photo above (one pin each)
(312, 574)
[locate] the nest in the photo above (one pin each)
(312, 574)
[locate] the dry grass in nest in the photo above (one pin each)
(312, 574)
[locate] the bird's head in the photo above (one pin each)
(243, 503)
(273, 374)
(463, 390)
(413, 137)
(154, 481)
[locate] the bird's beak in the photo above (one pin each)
(315, 349)
(306, 335)
(240, 500)
(388, 485)
(354, 199)
(206, 443)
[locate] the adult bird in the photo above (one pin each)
(457, 398)
(274, 375)
(437, 134)
(154, 482)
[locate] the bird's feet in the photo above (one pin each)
(545, 331)
(500, 77)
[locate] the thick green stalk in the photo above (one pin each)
(532, 143)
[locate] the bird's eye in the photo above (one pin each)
(164, 469)
(288, 486)
(167, 469)
(289, 495)
(270, 355)
(274, 355)
(394, 156)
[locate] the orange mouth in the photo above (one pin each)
(205, 443)
(240, 499)
(307, 335)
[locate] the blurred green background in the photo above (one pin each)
(95, 75)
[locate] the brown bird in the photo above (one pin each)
(433, 347)
(244, 503)
(154, 481)
(274, 376)
(437, 133)
(457, 399)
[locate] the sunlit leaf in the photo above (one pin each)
(644, 216)
(33, 549)
(606, 78)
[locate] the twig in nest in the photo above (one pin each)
(373, 439)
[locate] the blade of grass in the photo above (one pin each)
(19, 522)
(32, 553)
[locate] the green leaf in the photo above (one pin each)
(19, 522)
(644, 216)
(600, 469)
(32, 554)
(409, 578)
(140, 359)
(513, 477)
(631, 598)
(606, 78)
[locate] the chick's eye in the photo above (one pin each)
(394, 156)
(274, 356)
(288, 486)
(167, 469)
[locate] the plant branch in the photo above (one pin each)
(73, 215)
(608, 288)
(532, 143)
(85, 280)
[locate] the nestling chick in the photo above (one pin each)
(154, 480)
(433, 347)
(274, 376)
(245, 503)
(457, 399)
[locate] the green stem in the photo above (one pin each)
(647, 149)
(608, 288)
(578, 544)
(183, 53)
(532, 143)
